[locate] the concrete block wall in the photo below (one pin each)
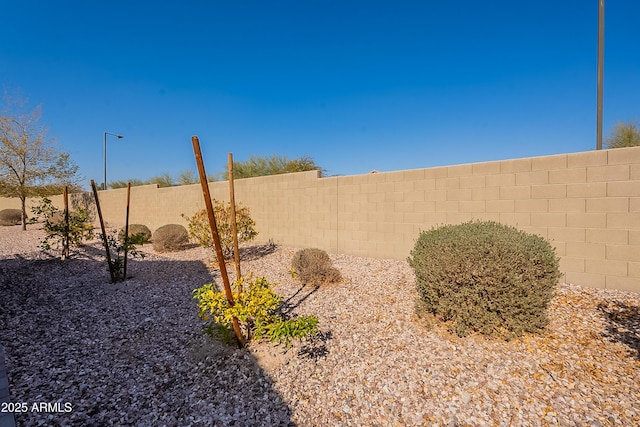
(587, 204)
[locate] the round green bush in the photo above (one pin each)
(170, 238)
(485, 277)
(10, 217)
(139, 234)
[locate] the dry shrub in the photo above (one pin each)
(313, 266)
(170, 238)
(139, 234)
(10, 217)
(200, 231)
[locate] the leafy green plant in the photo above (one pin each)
(199, 230)
(57, 232)
(485, 277)
(313, 266)
(256, 309)
(86, 201)
(117, 249)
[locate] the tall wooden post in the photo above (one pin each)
(65, 244)
(215, 235)
(126, 232)
(104, 232)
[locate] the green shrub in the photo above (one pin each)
(170, 238)
(117, 249)
(139, 234)
(485, 277)
(80, 227)
(10, 217)
(200, 231)
(255, 309)
(85, 201)
(313, 266)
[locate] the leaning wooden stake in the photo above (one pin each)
(126, 232)
(234, 225)
(65, 244)
(104, 232)
(216, 237)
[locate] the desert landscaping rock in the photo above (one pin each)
(133, 353)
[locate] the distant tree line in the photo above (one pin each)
(624, 135)
(255, 166)
(32, 165)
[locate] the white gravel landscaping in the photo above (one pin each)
(133, 353)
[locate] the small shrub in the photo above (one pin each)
(255, 309)
(10, 217)
(139, 234)
(85, 201)
(313, 266)
(200, 231)
(170, 238)
(117, 247)
(485, 277)
(80, 227)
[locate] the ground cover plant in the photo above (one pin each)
(485, 277)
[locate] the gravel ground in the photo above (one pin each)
(133, 353)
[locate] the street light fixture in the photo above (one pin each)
(104, 183)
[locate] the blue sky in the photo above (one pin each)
(356, 85)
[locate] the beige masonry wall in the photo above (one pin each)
(587, 204)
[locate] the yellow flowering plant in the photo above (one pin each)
(256, 309)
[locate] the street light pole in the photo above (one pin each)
(104, 183)
(600, 73)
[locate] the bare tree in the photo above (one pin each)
(30, 164)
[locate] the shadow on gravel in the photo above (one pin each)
(291, 303)
(315, 347)
(129, 353)
(254, 252)
(623, 325)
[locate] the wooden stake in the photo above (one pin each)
(104, 233)
(216, 238)
(65, 244)
(234, 225)
(126, 232)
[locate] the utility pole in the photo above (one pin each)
(600, 72)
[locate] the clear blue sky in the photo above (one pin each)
(356, 85)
